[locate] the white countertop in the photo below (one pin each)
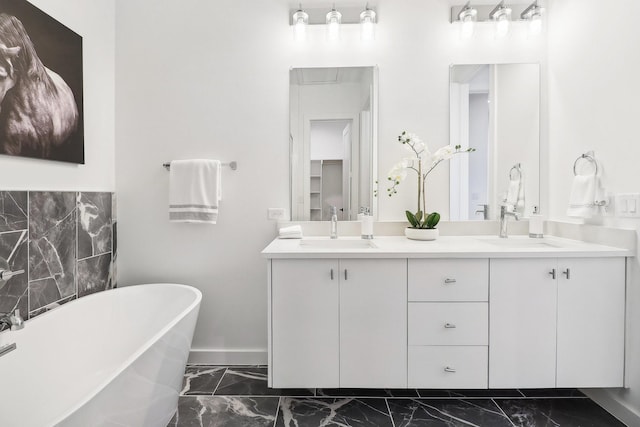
(443, 247)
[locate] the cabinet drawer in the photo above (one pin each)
(440, 323)
(448, 280)
(448, 367)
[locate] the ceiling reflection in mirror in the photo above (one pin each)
(494, 108)
(333, 131)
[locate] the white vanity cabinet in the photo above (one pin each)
(339, 323)
(556, 322)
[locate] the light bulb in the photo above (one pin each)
(300, 21)
(467, 27)
(333, 24)
(502, 26)
(367, 24)
(535, 24)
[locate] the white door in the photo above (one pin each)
(373, 323)
(522, 323)
(305, 343)
(591, 312)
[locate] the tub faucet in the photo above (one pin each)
(504, 214)
(12, 320)
(333, 211)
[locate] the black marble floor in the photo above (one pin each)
(238, 396)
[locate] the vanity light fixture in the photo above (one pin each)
(501, 15)
(367, 24)
(467, 18)
(533, 14)
(300, 21)
(334, 19)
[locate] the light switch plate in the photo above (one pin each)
(628, 205)
(275, 213)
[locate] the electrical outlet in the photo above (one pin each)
(275, 213)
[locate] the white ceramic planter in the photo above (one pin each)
(421, 233)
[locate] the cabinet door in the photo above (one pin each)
(522, 323)
(373, 323)
(591, 312)
(304, 318)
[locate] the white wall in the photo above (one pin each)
(594, 64)
(326, 140)
(211, 79)
(95, 22)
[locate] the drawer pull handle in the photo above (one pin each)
(448, 369)
(332, 274)
(553, 273)
(449, 325)
(449, 281)
(567, 273)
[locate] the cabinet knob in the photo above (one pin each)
(567, 273)
(553, 273)
(449, 281)
(449, 369)
(449, 325)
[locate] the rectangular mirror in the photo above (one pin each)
(494, 108)
(332, 141)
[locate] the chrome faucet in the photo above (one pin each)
(333, 211)
(12, 320)
(484, 211)
(504, 214)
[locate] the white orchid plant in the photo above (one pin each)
(422, 162)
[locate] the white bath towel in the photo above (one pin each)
(584, 191)
(291, 232)
(194, 191)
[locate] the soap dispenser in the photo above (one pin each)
(536, 224)
(366, 224)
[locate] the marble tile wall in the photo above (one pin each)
(65, 242)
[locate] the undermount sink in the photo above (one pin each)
(337, 244)
(520, 243)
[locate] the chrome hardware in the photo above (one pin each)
(449, 281)
(7, 349)
(232, 165)
(553, 273)
(567, 273)
(504, 213)
(7, 274)
(13, 320)
(484, 211)
(332, 274)
(345, 274)
(449, 325)
(590, 156)
(448, 369)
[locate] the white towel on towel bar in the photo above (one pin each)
(194, 191)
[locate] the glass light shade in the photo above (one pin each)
(300, 22)
(502, 20)
(467, 19)
(535, 24)
(368, 25)
(334, 18)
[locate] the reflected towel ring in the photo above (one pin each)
(518, 168)
(588, 157)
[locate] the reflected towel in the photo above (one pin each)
(194, 191)
(584, 190)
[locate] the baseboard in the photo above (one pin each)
(615, 407)
(212, 356)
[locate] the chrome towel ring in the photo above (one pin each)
(590, 158)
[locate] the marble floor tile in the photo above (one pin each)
(365, 392)
(253, 382)
(462, 394)
(446, 413)
(13, 211)
(557, 412)
(346, 412)
(225, 411)
(201, 380)
(94, 224)
(551, 392)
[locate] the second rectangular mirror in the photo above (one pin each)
(495, 108)
(333, 131)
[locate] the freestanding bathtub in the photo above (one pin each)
(115, 358)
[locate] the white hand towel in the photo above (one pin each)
(513, 192)
(194, 191)
(291, 232)
(583, 196)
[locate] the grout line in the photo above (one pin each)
(520, 391)
(386, 401)
(219, 381)
(502, 411)
(275, 420)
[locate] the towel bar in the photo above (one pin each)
(233, 165)
(587, 156)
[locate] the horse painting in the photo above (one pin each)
(38, 111)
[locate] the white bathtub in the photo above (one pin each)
(114, 358)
